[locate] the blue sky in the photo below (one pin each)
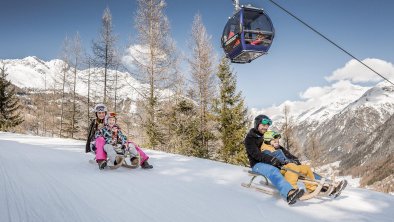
(298, 59)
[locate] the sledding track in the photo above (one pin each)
(41, 180)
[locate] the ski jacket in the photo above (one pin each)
(253, 141)
(93, 133)
(113, 138)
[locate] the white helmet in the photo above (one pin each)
(100, 108)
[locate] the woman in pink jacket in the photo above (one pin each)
(96, 141)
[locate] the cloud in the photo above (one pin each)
(134, 53)
(358, 73)
(140, 54)
(314, 92)
(333, 97)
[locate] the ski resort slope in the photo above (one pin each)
(49, 179)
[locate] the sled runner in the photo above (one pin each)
(131, 162)
(93, 161)
(128, 161)
(324, 186)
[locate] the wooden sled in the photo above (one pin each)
(265, 187)
(125, 162)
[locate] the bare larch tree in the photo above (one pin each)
(104, 48)
(203, 77)
(154, 60)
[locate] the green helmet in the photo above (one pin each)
(270, 135)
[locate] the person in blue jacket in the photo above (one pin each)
(265, 164)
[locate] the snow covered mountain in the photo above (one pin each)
(50, 179)
(32, 72)
(316, 109)
(374, 157)
(351, 126)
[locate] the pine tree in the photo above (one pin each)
(182, 120)
(9, 103)
(232, 117)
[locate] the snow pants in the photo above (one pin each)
(143, 156)
(274, 175)
(292, 177)
(100, 153)
(111, 153)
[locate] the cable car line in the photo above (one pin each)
(317, 32)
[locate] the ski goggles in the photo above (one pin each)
(276, 136)
(266, 121)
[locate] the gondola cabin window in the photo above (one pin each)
(232, 34)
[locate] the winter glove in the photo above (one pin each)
(276, 162)
(118, 149)
(290, 161)
(296, 161)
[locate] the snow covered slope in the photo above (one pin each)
(47, 179)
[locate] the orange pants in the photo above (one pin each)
(292, 177)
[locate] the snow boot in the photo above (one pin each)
(294, 195)
(338, 189)
(102, 164)
(146, 165)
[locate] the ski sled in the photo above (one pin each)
(125, 163)
(324, 187)
(128, 161)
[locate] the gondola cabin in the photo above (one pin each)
(247, 35)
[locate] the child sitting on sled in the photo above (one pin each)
(271, 147)
(292, 168)
(116, 140)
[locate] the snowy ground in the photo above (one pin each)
(47, 179)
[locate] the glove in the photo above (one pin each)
(290, 161)
(118, 149)
(295, 161)
(276, 162)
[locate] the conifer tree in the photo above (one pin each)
(9, 103)
(232, 117)
(155, 59)
(183, 120)
(203, 84)
(104, 48)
